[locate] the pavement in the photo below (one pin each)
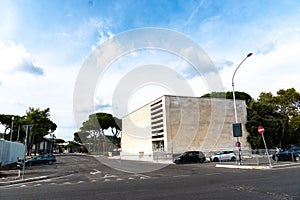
(37, 172)
(14, 176)
(41, 172)
(260, 166)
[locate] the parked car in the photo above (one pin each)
(223, 156)
(41, 159)
(287, 155)
(190, 157)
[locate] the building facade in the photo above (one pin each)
(174, 124)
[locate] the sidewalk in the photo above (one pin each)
(9, 177)
(273, 165)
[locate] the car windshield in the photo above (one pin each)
(185, 154)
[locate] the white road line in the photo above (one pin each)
(212, 174)
(180, 176)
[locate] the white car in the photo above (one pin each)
(223, 156)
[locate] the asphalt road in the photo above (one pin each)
(90, 179)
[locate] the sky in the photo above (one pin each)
(45, 45)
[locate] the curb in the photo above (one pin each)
(38, 178)
(256, 167)
(242, 166)
(24, 180)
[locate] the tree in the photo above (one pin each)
(294, 133)
(278, 114)
(229, 95)
(42, 125)
(16, 121)
(95, 126)
(263, 114)
(288, 102)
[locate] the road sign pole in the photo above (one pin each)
(261, 131)
(27, 129)
(262, 135)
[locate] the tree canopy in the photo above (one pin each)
(279, 115)
(92, 131)
(42, 124)
(40, 118)
(229, 95)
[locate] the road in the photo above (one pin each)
(90, 179)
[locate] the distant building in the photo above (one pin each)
(174, 124)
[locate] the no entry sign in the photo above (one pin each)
(261, 130)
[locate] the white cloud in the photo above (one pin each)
(103, 28)
(14, 58)
(22, 90)
(270, 71)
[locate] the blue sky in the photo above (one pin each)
(43, 45)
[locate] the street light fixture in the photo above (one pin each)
(235, 112)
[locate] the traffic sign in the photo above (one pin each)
(237, 144)
(261, 130)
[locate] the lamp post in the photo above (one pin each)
(12, 127)
(234, 104)
(52, 143)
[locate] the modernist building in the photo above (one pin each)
(174, 124)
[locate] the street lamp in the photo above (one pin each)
(52, 143)
(237, 130)
(12, 127)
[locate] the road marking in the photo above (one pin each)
(180, 176)
(95, 172)
(109, 176)
(79, 182)
(212, 174)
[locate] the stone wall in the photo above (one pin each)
(202, 124)
(136, 135)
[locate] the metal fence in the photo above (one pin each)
(248, 157)
(252, 157)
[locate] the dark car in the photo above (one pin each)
(41, 159)
(190, 157)
(287, 155)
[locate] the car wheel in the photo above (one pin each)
(297, 159)
(233, 159)
(50, 162)
(216, 160)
